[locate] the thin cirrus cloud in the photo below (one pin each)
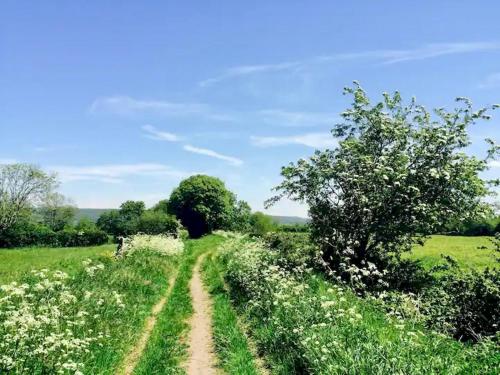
(204, 151)
(492, 81)
(115, 173)
(314, 140)
(158, 135)
(385, 56)
(126, 105)
(296, 119)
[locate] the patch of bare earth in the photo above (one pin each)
(201, 359)
(133, 357)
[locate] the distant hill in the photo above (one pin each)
(94, 213)
(290, 219)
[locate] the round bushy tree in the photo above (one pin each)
(398, 173)
(202, 204)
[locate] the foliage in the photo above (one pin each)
(56, 212)
(202, 204)
(161, 206)
(260, 224)
(159, 244)
(241, 217)
(479, 227)
(398, 173)
(132, 218)
(22, 186)
(305, 324)
(294, 249)
(29, 233)
(158, 222)
(465, 304)
(293, 228)
(84, 224)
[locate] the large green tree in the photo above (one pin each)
(202, 204)
(399, 173)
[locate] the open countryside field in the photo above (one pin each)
(474, 252)
(16, 262)
(152, 312)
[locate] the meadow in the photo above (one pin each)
(469, 252)
(267, 315)
(15, 262)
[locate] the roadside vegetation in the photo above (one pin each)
(52, 322)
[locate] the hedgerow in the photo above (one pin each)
(307, 324)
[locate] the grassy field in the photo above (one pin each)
(469, 252)
(15, 262)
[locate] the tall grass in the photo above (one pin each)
(305, 324)
(51, 322)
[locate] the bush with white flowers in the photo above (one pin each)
(317, 327)
(160, 244)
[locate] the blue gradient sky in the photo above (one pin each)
(123, 99)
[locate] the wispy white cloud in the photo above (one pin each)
(204, 151)
(296, 119)
(314, 140)
(494, 164)
(152, 133)
(385, 56)
(492, 81)
(114, 173)
(125, 105)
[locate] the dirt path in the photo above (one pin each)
(201, 355)
(132, 358)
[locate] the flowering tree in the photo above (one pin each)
(398, 174)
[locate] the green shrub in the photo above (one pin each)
(75, 238)
(294, 248)
(465, 304)
(32, 234)
(307, 325)
(157, 222)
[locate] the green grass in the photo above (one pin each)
(15, 262)
(166, 348)
(231, 344)
(347, 335)
(140, 280)
(467, 251)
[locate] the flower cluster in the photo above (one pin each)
(47, 322)
(160, 244)
(325, 328)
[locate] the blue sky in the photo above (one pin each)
(124, 99)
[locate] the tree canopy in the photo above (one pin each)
(202, 204)
(399, 173)
(22, 186)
